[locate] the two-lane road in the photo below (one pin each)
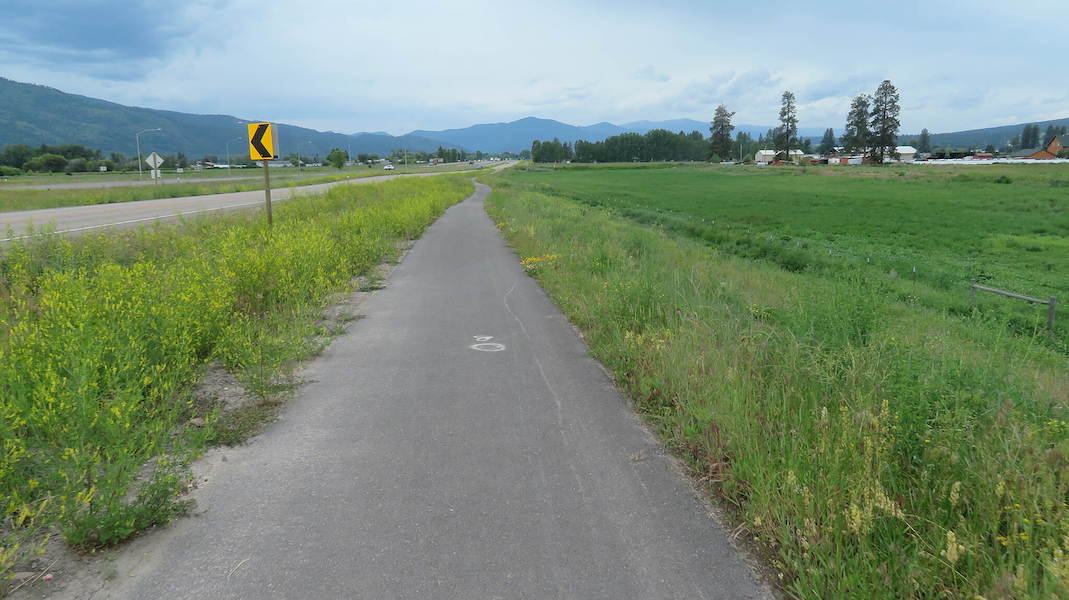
(73, 219)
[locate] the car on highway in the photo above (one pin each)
(387, 168)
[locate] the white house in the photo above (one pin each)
(767, 156)
(906, 153)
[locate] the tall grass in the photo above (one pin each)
(873, 447)
(102, 336)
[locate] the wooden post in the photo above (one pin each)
(267, 193)
(972, 291)
(1050, 312)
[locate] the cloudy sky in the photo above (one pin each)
(396, 66)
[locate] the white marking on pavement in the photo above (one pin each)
(488, 347)
(482, 338)
(127, 222)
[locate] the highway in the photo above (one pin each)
(74, 219)
(84, 185)
(457, 443)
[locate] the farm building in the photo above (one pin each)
(1051, 151)
(767, 156)
(906, 153)
(1058, 144)
(1036, 153)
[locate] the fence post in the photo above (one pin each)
(972, 291)
(1050, 312)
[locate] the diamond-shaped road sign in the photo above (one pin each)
(154, 160)
(261, 142)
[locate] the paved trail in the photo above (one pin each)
(415, 466)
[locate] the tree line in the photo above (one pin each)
(654, 145)
(871, 130)
(71, 158)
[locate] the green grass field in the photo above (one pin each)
(936, 226)
(873, 436)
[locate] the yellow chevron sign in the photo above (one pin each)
(261, 141)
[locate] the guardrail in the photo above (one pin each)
(1052, 303)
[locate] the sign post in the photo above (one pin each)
(154, 160)
(262, 148)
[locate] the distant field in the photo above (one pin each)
(169, 175)
(952, 224)
(22, 199)
(873, 436)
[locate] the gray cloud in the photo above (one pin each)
(360, 65)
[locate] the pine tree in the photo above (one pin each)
(884, 122)
(1030, 136)
(856, 134)
(720, 143)
(827, 143)
(787, 133)
(924, 144)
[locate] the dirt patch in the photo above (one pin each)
(220, 388)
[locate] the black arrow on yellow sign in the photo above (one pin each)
(257, 141)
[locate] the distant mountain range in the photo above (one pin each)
(34, 114)
(981, 138)
(518, 135)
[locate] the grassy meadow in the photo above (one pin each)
(102, 337)
(875, 436)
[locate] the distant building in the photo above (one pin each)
(906, 153)
(1051, 151)
(1034, 153)
(1058, 144)
(767, 156)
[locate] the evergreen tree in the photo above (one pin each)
(1051, 133)
(720, 143)
(787, 134)
(1015, 143)
(924, 144)
(856, 134)
(884, 122)
(1030, 136)
(827, 143)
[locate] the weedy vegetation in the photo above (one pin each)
(103, 336)
(877, 436)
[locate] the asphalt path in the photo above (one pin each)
(457, 442)
(74, 219)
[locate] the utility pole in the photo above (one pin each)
(137, 139)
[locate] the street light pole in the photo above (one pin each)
(299, 153)
(137, 139)
(237, 139)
